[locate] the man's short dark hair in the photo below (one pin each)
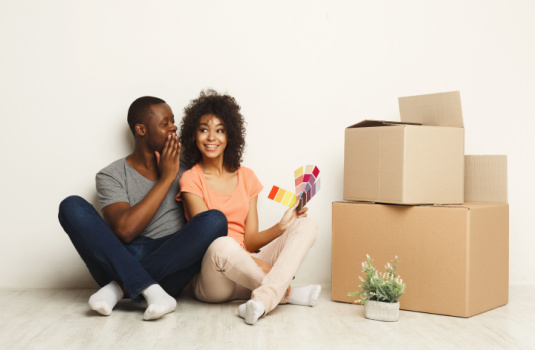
(140, 111)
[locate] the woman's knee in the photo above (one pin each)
(222, 246)
(306, 227)
(223, 254)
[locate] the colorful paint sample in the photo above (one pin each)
(302, 202)
(307, 195)
(316, 172)
(306, 186)
(308, 172)
(287, 197)
(300, 188)
(292, 201)
(313, 175)
(273, 192)
(280, 195)
(298, 172)
(298, 180)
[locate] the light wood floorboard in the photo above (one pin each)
(61, 319)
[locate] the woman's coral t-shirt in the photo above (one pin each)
(235, 206)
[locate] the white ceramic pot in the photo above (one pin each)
(381, 311)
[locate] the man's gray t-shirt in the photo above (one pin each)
(119, 182)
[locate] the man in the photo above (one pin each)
(144, 247)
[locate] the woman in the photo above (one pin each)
(213, 138)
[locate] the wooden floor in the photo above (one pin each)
(61, 319)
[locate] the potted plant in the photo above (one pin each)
(380, 292)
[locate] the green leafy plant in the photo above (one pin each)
(385, 287)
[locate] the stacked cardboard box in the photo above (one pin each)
(453, 254)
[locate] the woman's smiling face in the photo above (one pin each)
(211, 136)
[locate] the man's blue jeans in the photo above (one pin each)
(170, 261)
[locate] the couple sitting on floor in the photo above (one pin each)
(146, 249)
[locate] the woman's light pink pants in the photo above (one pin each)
(229, 273)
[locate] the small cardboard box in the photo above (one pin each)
(454, 259)
(485, 178)
(417, 161)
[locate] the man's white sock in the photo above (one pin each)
(253, 311)
(159, 302)
(105, 299)
(307, 296)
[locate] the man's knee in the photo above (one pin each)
(70, 207)
(73, 211)
(217, 224)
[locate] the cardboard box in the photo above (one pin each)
(454, 259)
(485, 178)
(417, 161)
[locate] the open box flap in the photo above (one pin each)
(465, 205)
(442, 109)
(375, 123)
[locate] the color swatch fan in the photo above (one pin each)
(307, 185)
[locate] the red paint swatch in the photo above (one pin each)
(273, 192)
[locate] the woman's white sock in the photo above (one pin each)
(307, 296)
(253, 311)
(241, 310)
(105, 299)
(159, 302)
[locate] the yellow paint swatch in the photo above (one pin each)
(293, 200)
(287, 198)
(298, 172)
(280, 195)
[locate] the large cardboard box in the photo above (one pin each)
(454, 259)
(417, 161)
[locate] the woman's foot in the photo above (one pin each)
(105, 299)
(241, 310)
(253, 311)
(307, 296)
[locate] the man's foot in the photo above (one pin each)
(307, 296)
(253, 311)
(105, 299)
(159, 302)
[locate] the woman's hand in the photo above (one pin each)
(291, 215)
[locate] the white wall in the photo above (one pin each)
(301, 70)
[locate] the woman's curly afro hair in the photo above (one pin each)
(225, 108)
